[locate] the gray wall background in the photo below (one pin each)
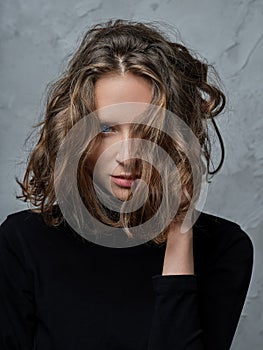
(37, 35)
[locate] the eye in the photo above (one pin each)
(105, 128)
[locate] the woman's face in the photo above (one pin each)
(109, 90)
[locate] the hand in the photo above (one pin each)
(175, 234)
(179, 259)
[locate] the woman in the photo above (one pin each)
(60, 289)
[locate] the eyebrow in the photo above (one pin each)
(115, 122)
(111, 119)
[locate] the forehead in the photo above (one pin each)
(114, 89)
(121, 113)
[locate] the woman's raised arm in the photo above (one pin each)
(200, 315)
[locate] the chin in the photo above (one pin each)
(122, 194)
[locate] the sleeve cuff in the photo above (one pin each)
(174, 283)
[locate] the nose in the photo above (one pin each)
(123, 154)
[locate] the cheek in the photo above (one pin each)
(95, 156)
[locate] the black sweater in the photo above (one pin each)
(60, 293)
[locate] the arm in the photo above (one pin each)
(17, 316)
(176, 322)
(192, 314)
(223, 290)
(179, 258)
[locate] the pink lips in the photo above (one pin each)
(123, 181)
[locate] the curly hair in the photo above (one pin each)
(180, 84)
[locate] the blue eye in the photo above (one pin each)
(105, 126)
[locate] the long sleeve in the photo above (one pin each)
(17, 315)
(203, 315)
(176, 320)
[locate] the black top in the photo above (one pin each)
(60, 293)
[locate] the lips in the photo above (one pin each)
(123, 180)
(126, 176)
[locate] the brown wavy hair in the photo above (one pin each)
(181, 85)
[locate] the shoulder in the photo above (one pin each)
(19, 224)
(21, 219)
(225, 239)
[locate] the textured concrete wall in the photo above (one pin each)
(37, 35)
